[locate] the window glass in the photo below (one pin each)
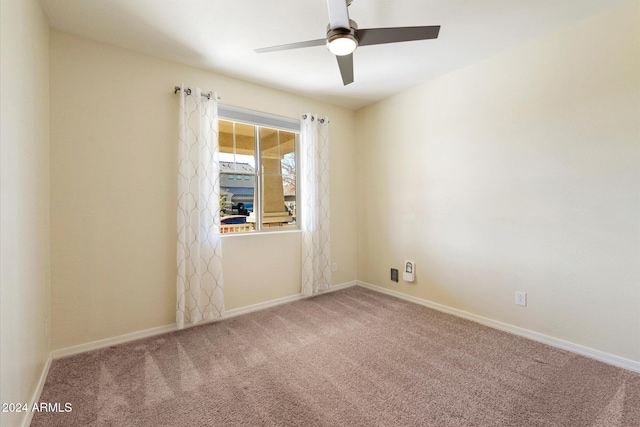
(277, 149)
(268, 193)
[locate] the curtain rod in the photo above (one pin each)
(187, 90)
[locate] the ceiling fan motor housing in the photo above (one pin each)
(343, 33)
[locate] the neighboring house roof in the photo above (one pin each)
(240, 191)
(231, 167)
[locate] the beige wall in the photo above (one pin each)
(24, 205)
(520, 172)
(113, 192)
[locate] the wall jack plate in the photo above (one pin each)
(394, 274)
(521, 298)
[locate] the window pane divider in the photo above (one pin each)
(257, 207)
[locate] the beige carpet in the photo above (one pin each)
(349, 358)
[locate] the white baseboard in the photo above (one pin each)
(35, 398)
(108, 342)
(340, 286)
(121, 339)
(275, 302)
(611, 359)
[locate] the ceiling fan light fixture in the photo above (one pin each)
(342, 45)
(342, 41)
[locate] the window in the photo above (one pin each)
(265, 153)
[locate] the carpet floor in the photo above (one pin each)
(353, 357)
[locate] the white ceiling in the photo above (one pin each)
(220, 35)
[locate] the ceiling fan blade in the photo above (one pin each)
(338, 14)
(308, 43)
(370, 36)
(346, 68)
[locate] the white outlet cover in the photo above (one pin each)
(521, 298)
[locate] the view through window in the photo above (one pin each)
(258, 180)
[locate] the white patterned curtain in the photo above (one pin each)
(314, 190)
(199, 281)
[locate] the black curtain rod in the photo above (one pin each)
(187, 90)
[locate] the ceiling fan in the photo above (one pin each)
(343, 37)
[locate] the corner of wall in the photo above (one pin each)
(25, 283)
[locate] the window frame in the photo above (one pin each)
(263, 120)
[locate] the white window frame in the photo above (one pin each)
(260, 120)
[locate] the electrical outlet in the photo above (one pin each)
(334, 267)
(46, 327)
(521, 298)
(394, 274)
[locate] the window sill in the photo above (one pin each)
(262, 233)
